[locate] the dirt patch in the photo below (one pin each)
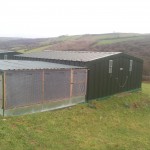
(136, 105)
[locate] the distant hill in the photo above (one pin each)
(130, 43)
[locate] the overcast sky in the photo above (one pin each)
(49, 18)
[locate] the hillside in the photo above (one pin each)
(133, 44)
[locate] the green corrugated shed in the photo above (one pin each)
(126, 72)
(7, 54)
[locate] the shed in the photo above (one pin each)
(33, 86)
(5, 54)
(108, 72)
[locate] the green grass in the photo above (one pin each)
(116, 40)
(35, 49)
(48, 43)
(146, 88)
(121, 122)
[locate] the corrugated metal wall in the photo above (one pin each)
(101, 83)
(24, 88)
(10, 55)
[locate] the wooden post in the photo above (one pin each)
(71, 82)
(4, 92)
(43, 86)
(87, 74)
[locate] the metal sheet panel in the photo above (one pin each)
(30, 65)
(81, 56)
(43, 107)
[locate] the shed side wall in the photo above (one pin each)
(10, 55)
(102, 84)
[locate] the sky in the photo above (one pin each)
(50, 18)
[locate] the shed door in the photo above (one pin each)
(1, 91)
(79, 82)
(123, 74)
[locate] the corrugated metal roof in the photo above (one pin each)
(5, 51)
(23, 65)
(82, 56)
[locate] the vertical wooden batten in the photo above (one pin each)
(71, 82)
(43, 85)
(4, 92)
(86, 85)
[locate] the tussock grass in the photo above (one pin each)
(120, 122)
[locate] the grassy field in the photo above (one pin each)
(121, 122)
(35, 49)
(116, 40)
(146, 88)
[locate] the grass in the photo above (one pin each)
(35, 49)
(48, 43)
(121, 122)
(146, 88)
(116, 40)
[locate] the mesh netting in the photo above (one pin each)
(56, 84)
(24, 88)
(79, 82)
